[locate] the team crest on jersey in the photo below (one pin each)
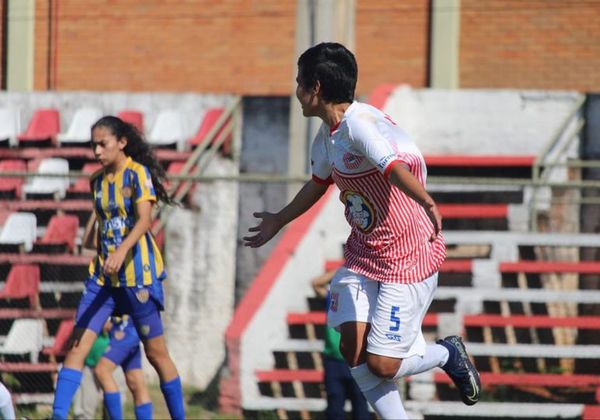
(352, 161)
(360, 211)
(126, 192)
(333, 302)
(119, 335)
(145, 330)
(142, 295)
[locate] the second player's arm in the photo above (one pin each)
(273, 222)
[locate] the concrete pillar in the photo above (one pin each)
(445, 44)
(316, 21)
(21, 25)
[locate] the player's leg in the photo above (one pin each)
(360, 408)
(396, 346)
(170, 383)
(144, 305)
(394, 335)
(95, 307)
(334, 387)
(134, 376)
(87, 396)
(353, 297)
(412, 302)
(104, 373)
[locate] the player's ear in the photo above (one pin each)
(316, 88)
(122, 142)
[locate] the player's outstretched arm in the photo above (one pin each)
(410, 185)
(273, 222)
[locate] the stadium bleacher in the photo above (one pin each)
(511, 293)
(42, 129)
(42, 266)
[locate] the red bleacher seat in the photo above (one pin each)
(43, 127)
(133, 117)
(59, 348)
(531, 321)
(82, 185)
(462, 161)
(23, 281)
(20, 367)
(61, 230)
(10, 184)
(209, 120)
(473, 211)
(580, 267)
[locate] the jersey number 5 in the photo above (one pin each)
(395, 319)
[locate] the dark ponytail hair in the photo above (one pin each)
(138, 150)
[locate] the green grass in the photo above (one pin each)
(198, 406)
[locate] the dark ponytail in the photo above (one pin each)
(139, 151)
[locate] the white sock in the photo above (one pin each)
(436, 355)
(381, 394)
(7, 410)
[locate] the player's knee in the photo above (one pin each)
(156, 356)
(132, 385)
(101, 372)
(383, 367)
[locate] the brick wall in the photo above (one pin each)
(247, 46)
(392, 43)
(221, 46)
(534, 44)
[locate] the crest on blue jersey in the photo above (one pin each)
(359, 210)
(145, 330)
(142, 295)
(126, 192)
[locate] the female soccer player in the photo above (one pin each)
(124, 351)
(126, 275)
(392, 256)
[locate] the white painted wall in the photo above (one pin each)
(200, 253)
(479, 122)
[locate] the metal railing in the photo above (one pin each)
(200, 158)
(544, 166)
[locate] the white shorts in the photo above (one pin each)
(395, 311)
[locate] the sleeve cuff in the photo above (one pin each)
(322, 181)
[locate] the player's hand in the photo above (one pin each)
(268, 228)
(113, 263)
(435, 216)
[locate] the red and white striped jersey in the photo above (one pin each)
(389, 241)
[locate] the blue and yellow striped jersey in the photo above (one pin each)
(115, 206)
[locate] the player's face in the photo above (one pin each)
(108, 150)
(308, 99)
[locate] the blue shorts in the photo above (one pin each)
(142, 304)
(127, 357)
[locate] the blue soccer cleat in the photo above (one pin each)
(460, 369)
